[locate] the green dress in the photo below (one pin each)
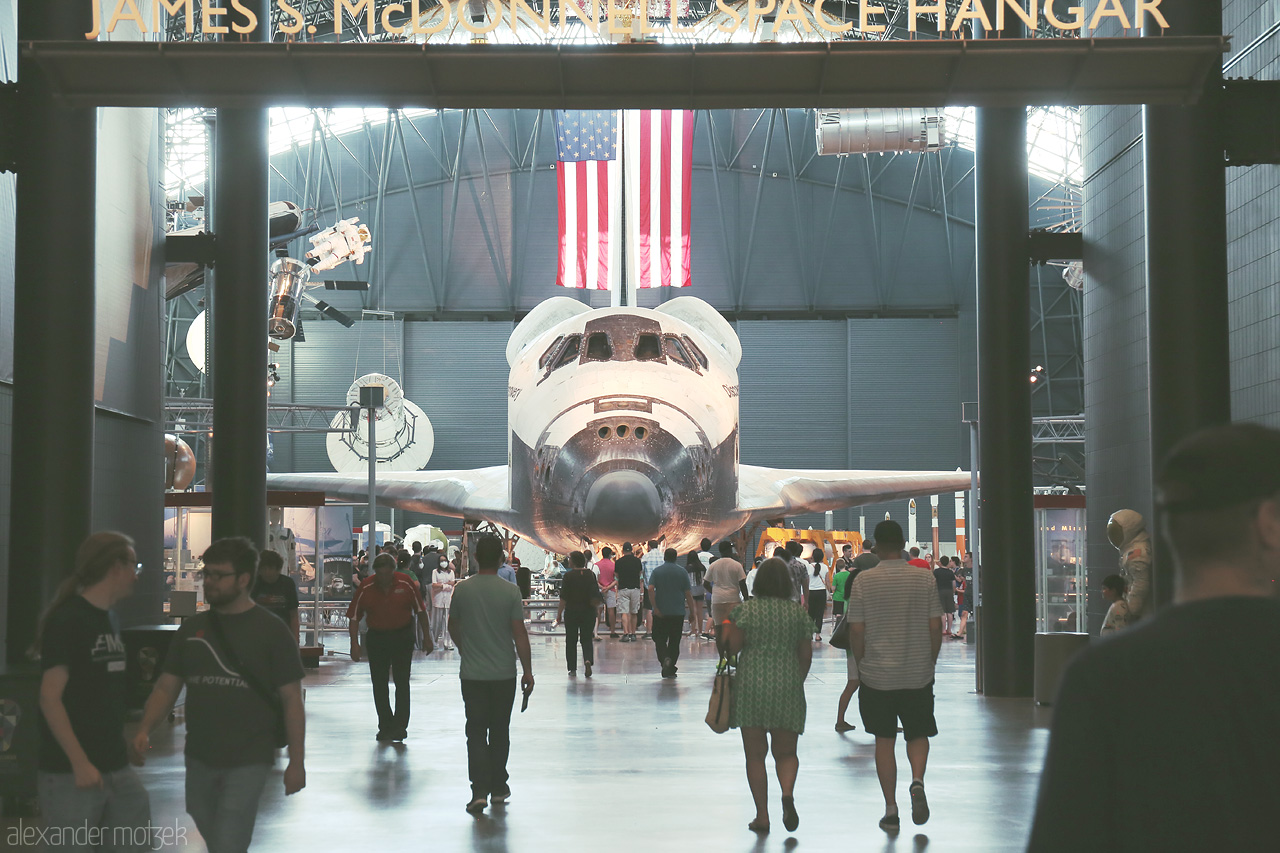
(768, 689)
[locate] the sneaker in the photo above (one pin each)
(500, 799)
(588, 672)
(476, 805)
(919, 804)
(890, 822)
(384, 737)
(612, 636)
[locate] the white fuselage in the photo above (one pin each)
(623, 426)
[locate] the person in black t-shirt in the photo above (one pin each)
(579, 596)
(628, 572)
(1164, 734)
(275, 591)
(84, 775)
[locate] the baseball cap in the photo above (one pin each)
(1220, 467)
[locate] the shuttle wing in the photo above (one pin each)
(479, 493)
(768, 493)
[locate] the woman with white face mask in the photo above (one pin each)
(442, 582)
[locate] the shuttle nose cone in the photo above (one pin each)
(623, 505)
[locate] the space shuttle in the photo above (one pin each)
(623, 426)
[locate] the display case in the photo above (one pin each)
(1061, 596)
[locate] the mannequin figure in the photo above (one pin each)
(1127, 532)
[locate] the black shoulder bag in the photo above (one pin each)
(280, 734)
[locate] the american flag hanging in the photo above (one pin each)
(590, 175)
(659, 172)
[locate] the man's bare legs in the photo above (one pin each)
(887, 773)
(918, 757)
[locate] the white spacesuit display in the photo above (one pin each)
(1126, 530)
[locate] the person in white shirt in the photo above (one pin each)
(443, 580)
(819, 586)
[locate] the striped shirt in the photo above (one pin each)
(895, 601)
(649, 562)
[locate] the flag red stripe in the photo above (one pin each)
(686, 266)
(602, 234)
(646, 132)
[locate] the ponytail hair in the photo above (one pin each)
(94, 558)
(819, 554)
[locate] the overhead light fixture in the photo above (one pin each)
(1038, 374)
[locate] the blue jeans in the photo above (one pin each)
(488, 707)
(223, 801)
(118, 814)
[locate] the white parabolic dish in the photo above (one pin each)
(405, 436)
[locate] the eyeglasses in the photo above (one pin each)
(208, 575)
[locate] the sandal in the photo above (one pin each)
(790, 818)
(758, 826)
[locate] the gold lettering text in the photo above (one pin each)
(291, 29)
(915, 9)
(1109, 9)
(822, 21)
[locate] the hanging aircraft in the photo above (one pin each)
(623, 426)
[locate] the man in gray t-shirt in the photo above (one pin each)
(486, 621)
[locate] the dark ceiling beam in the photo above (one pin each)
(999, 72)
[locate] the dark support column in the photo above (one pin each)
(1007, 618)
(53, 343)
(1186, 243)
(239, 359)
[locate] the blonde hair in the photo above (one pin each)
(94, 558)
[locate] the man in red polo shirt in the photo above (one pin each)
(390, 601)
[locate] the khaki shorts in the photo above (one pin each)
(628, 601)
(610, 598)
(720, 612)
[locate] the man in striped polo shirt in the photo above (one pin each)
(895, 625)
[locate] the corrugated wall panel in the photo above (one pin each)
(904, 381)
(457, 373)
(793, 385)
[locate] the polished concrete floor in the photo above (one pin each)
(623, 761)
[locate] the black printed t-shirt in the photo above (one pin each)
(228, 723)
(281, 597)
(85, 640)
(627, 571)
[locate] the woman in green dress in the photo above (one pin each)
(772, 636)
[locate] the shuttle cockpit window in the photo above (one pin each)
(598, 347)
(569, 352)
(648, 348)
(676, 352)
(697, 353)
(546, 356)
